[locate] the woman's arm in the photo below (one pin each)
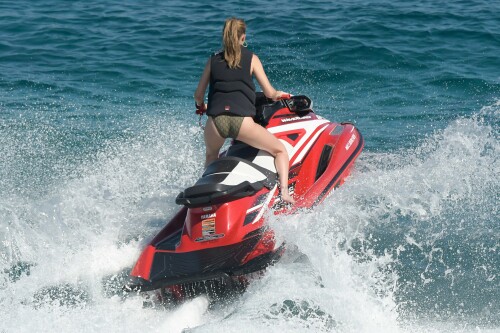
(258, 70)
(199, 94)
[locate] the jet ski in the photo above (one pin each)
(220, 232)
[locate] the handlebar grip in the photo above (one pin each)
(285, 96)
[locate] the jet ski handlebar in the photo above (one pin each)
(265, 107)
(285, 96)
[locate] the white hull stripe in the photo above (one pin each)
(308, 146)
(265, 204)
(310, 126)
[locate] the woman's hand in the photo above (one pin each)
(281, 95)
(201, 108)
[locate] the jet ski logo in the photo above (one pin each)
(350, 142)
(287, 120)
(208, 231)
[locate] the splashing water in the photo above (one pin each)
(410, 240)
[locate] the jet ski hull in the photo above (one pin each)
(221, 232)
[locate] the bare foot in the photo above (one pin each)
(287, 198)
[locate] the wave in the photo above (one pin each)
(409, 241)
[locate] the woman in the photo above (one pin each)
(231, 101)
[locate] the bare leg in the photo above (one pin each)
(213, 142)
(260, 138)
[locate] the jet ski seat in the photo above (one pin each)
(226, 179)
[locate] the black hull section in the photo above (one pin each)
(171, 268)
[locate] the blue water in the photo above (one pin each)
(98, 135)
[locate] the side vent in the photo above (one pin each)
(251, 216)
(259, 201)
(324, 159)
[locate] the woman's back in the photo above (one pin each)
(231, 90)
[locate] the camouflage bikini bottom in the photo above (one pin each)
(228, 126)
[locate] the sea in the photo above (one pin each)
(98, 135)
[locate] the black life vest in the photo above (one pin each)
(231, 91)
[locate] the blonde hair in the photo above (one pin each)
(234, 28)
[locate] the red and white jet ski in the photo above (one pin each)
(220, 233)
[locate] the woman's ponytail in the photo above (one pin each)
(233, 30)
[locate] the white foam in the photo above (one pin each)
(88, 228)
